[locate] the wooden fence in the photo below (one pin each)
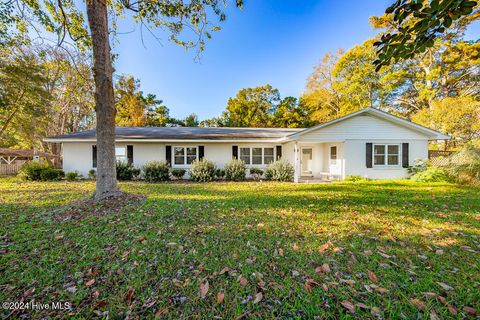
(10, 169)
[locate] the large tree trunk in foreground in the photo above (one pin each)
(104, 100)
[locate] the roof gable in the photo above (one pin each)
(385, 121)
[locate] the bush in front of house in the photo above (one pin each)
(256, 173)
(178, 173)
(156, 171)
(419, 165)
(72, 176)
(432, 174)
(219, 173)
(235, 170)
(280, 170)
(126, 171)
(51, 174)
(202, 170)
(38, 171)
(92, 174)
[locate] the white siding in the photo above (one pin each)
(77, 156)
(361, 127)
(355, 158)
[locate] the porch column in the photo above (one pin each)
(296, 165)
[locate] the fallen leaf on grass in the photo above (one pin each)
(280, 252)
(29, 292)
(325, 268)
(160, 312)
(90, 282)
(129, 295)
(349, 306)
(452, 310)
(243, 281)
(224, 270)
(220, 297)
(372, 276)
(309, 284)
(379, 289)
(445, 286)
(362, 306)
(258, 298)
(470, 310)
(418, 303)
(203, 289)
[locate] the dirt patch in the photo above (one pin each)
(90, 207)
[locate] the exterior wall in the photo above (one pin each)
(77, 156)
(355, 154)
(361, 127)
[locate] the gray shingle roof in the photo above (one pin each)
(187, 133)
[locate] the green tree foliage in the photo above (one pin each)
(458, 117)
(416, 24)
(260, 107)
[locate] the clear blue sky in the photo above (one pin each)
(276, 42)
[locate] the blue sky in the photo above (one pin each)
(276, 42)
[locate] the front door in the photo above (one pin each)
(334, 163)
(307, 160)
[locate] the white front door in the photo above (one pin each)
(333, 160)
(307, 161)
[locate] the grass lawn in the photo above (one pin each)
(390, 249)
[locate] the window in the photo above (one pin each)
(333, 155)
(121, 154)
(184, 155)
(386, 154)
(257, 156)
(245, 155)
(268, 155)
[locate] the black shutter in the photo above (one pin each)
(94, 156)
(279, 152)
(201, 152)
(130, 154)
(168, 154)
(405, 155)
(235, 152)
(368, 159)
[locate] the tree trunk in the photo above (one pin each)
(104, 100)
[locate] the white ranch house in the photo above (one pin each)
(368, 143)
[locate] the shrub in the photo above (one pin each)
(51, 174)
(419, 165)
(431, 175)
(355, 178)
(178, 173)
(256, 173)
(72, 176)
(126, 171)
(280, 170)
(36, 171)
(219, 173)
(467, 169)
(155, 171)
(202, 170)
(32, 170)
(92, 174)
(235, 170)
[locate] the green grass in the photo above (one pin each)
(150, 258)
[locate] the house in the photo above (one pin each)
(368, 143)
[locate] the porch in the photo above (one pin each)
(316, 162)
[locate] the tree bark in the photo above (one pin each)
(104, 100)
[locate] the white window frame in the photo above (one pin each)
(185, 164)
(386, 154)
(251, 155)
(123, 158)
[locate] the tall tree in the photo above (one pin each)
(252, 107)
(64, 18)
(416, 24)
